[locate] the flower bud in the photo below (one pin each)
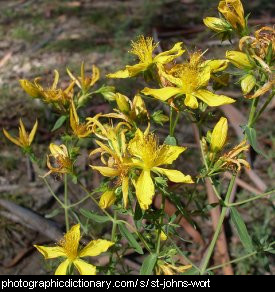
(239, 59)
(248, 83)
(30, 88)
(216, 24)
(233, 12)
(123, 103)
(159, 118)
(219, 135)
(107, 199)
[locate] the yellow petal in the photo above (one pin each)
(168, 153)
(216, 65)
(162, 93)
(95, 248)
(212, 99)
(12, 139)
(122, 102)
(136, 143)
(30, 88)
(107, 199)
(84, 268)
(51, 252)
(191, 101)
(219, 135)
(170, 55)
(56, 78)
(163, 236)
(62, 268)
(145, 189)
(119, 74)
(33, 131)
(174, 175)
(125, 190)
(106, 171)
(248, 83)
(233, 12)
(137, 68)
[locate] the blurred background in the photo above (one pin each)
(39, 36)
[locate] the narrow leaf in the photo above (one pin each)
(252, 139)
(148, 265)
(242, 230)
(131, 239)
(60, 121)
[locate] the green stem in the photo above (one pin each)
(263, 108)
(251, 199)
(52, 192)
(219, 226)
(252, 111)
(66, 205)
(160, 225)
(240, 258)
(173, 122)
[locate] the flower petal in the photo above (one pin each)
(145, 189)
(191, 101)
(12, 139)
(62, 268)
(33, 131)
(84, 268)
(106, 171)
(168, 153)
(174, 175)
(95, 248)
(137, 68)
(119, 74)
(162, 93)
(167, 56)
(212, 99)
(51, 252)
(125, 190)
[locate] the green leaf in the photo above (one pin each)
(252, 139)
(54, 213)
(138, 212)
(60, 121)
(131, 239)
(95, 217)
(242, 230)
(148, 264)
(170, 140)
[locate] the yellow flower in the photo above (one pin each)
(107, 199)
(24, 140)
(233, 12)
(143, 48)
(219, 135)
(68, 248)
(149, 156)
(81, 130)
(62, 161)
(84, 82)
(131, 111)
(191, 79)
(248, 83)
(164, 268)
(239, 59)
(216, 24)
(60, 98)
(113, 157)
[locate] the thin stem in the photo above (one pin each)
(268, 100)
(219, 226)
(251, 199)
(240, 258)
(66, 205)
(160, 225)
(79, 202)
(252, 111)
(173, 122)
(52, 192)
